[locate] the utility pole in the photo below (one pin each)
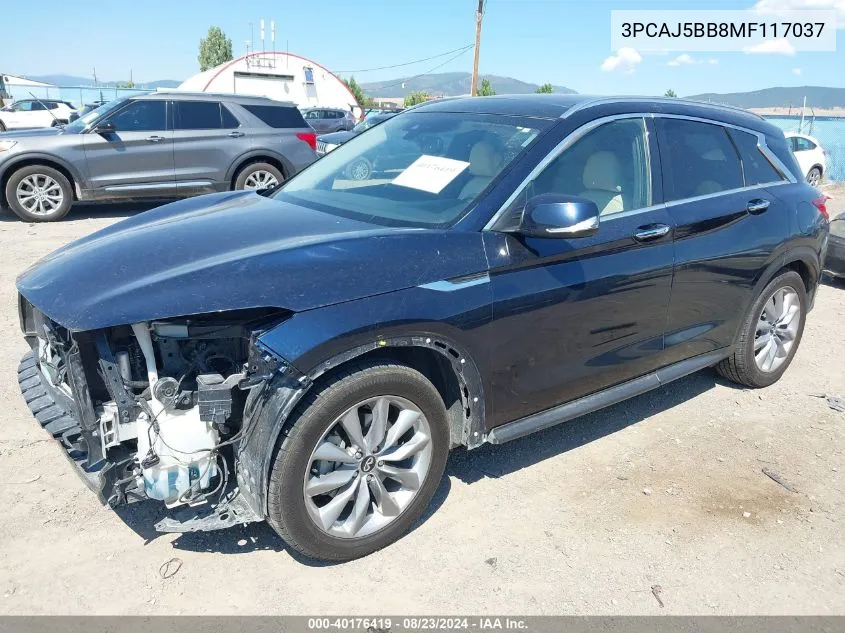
(478, 15)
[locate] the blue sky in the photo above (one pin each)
(564, 42)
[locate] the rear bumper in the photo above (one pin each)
(834, 262)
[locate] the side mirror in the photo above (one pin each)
(555, 215)
(104, 128)
(73, 117)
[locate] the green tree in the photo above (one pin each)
(485, 89)
(670, 93)
(416, 97)
(125, 84)
(545, 89)
(215, 49)
(356, 90)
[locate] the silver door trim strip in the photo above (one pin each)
(580, 132)
(445, 285)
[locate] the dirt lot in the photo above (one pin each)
(586, 518)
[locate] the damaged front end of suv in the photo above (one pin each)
(154, 410)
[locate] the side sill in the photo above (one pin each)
(602, 399)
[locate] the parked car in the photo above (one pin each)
(35, 113)
(310, 355)
(811, 156)
(325, 120)
(834, 262)
(327, 142)
(85, 109)
(158, 145)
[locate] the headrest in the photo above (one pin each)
(602, 172)
(485, 160)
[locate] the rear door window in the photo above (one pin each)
(698, 159)
(198, 115)
(755, 166)
(803, 144)
(278, 116)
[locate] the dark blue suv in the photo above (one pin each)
(309, 354)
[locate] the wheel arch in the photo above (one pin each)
(450, 369)
(258, 156)
(73, 176)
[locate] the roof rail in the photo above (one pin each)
(601, 100)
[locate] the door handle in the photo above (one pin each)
(651, 232)
(155, 139)
(758, 205)
(235, 134)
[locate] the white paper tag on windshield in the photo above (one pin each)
(430, 173)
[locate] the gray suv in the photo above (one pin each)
(325, 120)
(159, 145)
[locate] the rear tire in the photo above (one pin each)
(769, 337)
(388, 507)
(814, 177)
(258, 176)
(37, 193)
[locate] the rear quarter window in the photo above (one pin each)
(277, 116)
(755, 166)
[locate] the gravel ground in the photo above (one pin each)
(664, 490)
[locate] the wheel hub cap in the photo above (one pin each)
(39, 194)
(367, 467)
(777, 327)
(260, 180)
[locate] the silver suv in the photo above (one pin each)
(325, 120)
(159, 145)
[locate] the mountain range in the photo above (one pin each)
(817, 97)
(450, 85)
(75, 80)
(458, 83)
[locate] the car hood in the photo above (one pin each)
(336, 138)
(232, 251)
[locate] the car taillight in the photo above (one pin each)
(819, 203)
(308, 137)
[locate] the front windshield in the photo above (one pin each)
(415, 169)
(86, 119)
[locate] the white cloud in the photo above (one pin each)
(687, 60)
(681, 60)
(626, 60)
(776, 7)
(779, 46)
(796, 71)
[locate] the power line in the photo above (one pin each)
(416, 61)
(429, 71)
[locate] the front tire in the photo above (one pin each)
(770, 334)
(37, 193)
(360, 462)
(814, 177)
(259, 176)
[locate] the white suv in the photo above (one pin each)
(811, 156)
(30, 113)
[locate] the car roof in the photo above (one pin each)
(552, 106)
(181, 95)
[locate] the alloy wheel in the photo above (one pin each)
(777, 327)
(260, 179)
(814, 177)
(367, 467)
(39, 194)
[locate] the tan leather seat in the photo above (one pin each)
(601, 179)
(485, 161)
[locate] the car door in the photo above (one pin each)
(574, 316)
(20, 116)
(206, 141)
(721, 193)
(136, 160)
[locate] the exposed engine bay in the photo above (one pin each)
(159, 404)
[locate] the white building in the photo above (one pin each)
(21, 87)
(278, 75)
